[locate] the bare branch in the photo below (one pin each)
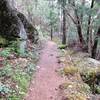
(70, 17)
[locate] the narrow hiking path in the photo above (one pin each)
(45, 85)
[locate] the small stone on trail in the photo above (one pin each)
(38, 67)
(30, 89)
(56, 89)
(33, 82)
(51, 97)
(59, 61)
(51, 54)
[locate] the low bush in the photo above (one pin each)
(5, 53)
(70, 70)
(62, 46)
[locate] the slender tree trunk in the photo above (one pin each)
(51, 32)
(80, 34)
(83, 3)
(89, 22)
(94, 49)
(79, 29)
(64, 27)
(90, 41)
(78, 25)
(60, 22)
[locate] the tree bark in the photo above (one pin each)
(51, 32)
(89, 22)
(78, 25)
(83, 4)
(64, 27)
(79, 29)
(94, 49)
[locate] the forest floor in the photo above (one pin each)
(45, 86)
(59, 75)
(54, 72)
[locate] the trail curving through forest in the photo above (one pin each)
(45, 86)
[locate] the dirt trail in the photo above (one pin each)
(45, 86)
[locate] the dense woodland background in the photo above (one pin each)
(76, 22)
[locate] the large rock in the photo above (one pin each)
(14, 25)
(10, 24)
(32, 33)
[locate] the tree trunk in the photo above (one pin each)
(80, 34)
(83, 4)
(89, 22)
(51, 32)
(94, 49)
(64, 27)
(78, 25)
(90, 41)
(79, 29)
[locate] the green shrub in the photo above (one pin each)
(14, 46)
(5, 53)
(4, 90)
(6, 71)
(3, 41)
(97, 89)
(62, 46)
(30, 68)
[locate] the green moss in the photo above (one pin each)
(62, 46)
(5, 53)
(13, 98)
(3, 41)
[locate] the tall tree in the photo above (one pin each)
(89, 34)
(78, 24)
(63, 6)
(64, 22)
(76, 19)
(51, 18)
(94, 49)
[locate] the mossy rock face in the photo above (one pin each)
(14, 24)
(3, 41)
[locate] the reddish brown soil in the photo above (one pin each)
(45, 85)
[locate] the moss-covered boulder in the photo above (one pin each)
(3, 41)
(14, 24)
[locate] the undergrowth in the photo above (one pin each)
(16, 73)
(84, 80)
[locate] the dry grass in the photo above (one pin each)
(70, 70)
